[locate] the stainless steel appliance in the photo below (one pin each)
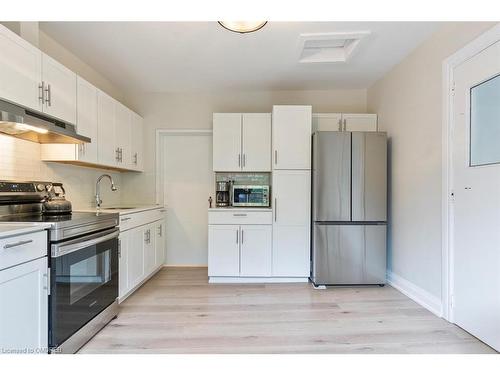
(222, 194)
(56, 202)
(250, 195)
(349, 208)
(83, 263)
(37, 127)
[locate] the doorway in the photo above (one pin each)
(188, 181)
(475, 196)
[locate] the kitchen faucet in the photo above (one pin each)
(98, 199)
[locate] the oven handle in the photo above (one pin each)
(81, 243)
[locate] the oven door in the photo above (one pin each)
(84, 281)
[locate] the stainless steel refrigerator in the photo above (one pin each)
(349, 208)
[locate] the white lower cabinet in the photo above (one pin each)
(24, 307)
(239, 250)
(142, 249)
(223, 250)
(256, 250)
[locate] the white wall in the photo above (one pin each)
(408, 103)
(194, 111)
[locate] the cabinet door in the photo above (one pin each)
(137, 142)
(226, 142)
(292, 137)
(135, 258)
(256, 147)
(24, 313)
(326, 122)
(123, 128)
(20, 70)
(124, 243)
(149, 237)
(160, 243)
(291, 223)
(106, 143)
(60, 85)
(256, 250)
(223, 250)
(86, 120)
(359, 122)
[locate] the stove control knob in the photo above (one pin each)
(40, 187)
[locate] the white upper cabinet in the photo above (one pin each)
(241, 142)
(256, 142)
(86, 120)
(59, 84)
(352, 122)
(292, 136)
(326, 122)
(20, 71)
(137, 142)
(106, 141)
(359, 122)
(123, 129)
(227, 142)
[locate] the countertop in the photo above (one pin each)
(123, 209)
(260, 209)
(12, 229)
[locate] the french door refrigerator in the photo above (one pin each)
(349, 208)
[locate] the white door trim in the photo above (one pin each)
(159, 154)
(473, 48)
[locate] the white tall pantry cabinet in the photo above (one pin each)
(292, 130)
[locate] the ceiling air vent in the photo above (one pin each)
(329, 47)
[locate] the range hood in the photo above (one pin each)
(36, 127)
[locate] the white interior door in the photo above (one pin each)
(476, 187)
(188, 182)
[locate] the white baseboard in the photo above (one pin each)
(255, 280)
(185, 266)
(416, 293)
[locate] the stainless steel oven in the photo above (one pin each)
(84, 283)
(250, 195)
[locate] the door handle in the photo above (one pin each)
(275, 209)
(48, 100)
(15, 244)
(41, 92)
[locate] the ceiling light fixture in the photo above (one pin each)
(242, 27)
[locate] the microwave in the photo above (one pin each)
(250, 196)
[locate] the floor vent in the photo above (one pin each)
(329, 47)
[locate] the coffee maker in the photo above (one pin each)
(222, 195)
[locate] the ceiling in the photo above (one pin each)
(202, 56)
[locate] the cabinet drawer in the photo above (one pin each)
(136, 219)
(20, 249)
(240, 217)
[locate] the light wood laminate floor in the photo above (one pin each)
(177, 311)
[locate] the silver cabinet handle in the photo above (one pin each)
(340, 124)
(120, 152)
(163, 210)
(345, 124)
(239, 160)
(135, 158)
(49, 95)
(160, 230)
(117, 154)
(41, 91)
(242, 231)
(119, 248)
(275, 209)
(125, 218)
(240, 215)
(244, 160)
(275, 157)
(15, 244)
(47, 276)
(237, 235)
